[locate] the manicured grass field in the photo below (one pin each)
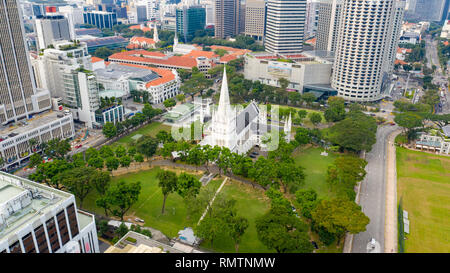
(150, 129)
(250, 203)
(149, 205)
(423, 181)
(316, 167)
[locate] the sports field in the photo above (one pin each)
(423, 182)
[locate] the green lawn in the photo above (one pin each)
(423, 181)
(250, 203)
(316, 167)
(150, 202)
(150, 129)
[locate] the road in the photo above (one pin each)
(372, 195)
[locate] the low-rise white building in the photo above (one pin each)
(433, 143)
(161, 84)
(35, 218)
(445, 33)
(299, 70)
(15, 146)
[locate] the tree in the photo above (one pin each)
(236, 228)
(122, 196)
(164, 136)
(169, 103)
(112, 163)
(125, 161)
(35, 160)
(290, 176)
(263, 171)
(315, 118)
(96, 162)
(120, 151)
(196, 156)
(106, 151)
(279, 230)
(103, 52)
(336, 109)
(345, 172)
(91, 152)
(302, 136)
(181, 97)
(409, 121)
(139, 158)
(101, 181)
(339, 216)
(188, 184)
(47, 172)
(56, 148)
(356, 132)
(307, 199)
(167, 183)
(109, 130)
(309, 98)
(78, 181)
(209, 228)
(147, 146)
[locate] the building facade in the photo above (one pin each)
(427, 10)
(328, 24)
(100, 19)
(312, 15)
(362, 51)
(35, 218)
(226, 18)
(285, 26)
(17, 87)
(51, 28)
(188, 20)
(255, 18)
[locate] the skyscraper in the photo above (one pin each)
(364, 41)
(255, 18)
(285, 26)
(227, 18)
(190, 19)
(100, 19)
(328, 24)
(427, 10)
(18, 96)
(51, 28)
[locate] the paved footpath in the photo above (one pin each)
(390, 228)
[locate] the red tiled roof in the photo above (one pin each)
(156, 58)
(96, 59)
(141, 40)
(227, 58)
(144, 29)
(311, 41)
(165, 74)
(201, 53)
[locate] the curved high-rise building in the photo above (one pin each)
(362, 58)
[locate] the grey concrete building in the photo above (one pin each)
(255, 18)
(227, 18)
(18, 95)
(51, 28)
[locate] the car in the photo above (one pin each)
(383, 111)
(315, 245)
(139, 220)
(252, 156)
(255, 153)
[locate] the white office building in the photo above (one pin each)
(363, 49)
(51, 28)
(285, 26)
(35, 218)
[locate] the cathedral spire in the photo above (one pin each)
(155, 34)
(224, 109)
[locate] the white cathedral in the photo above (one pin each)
(240, 131)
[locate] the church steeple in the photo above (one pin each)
(175, 40)
(224, 109)
(155, 33)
